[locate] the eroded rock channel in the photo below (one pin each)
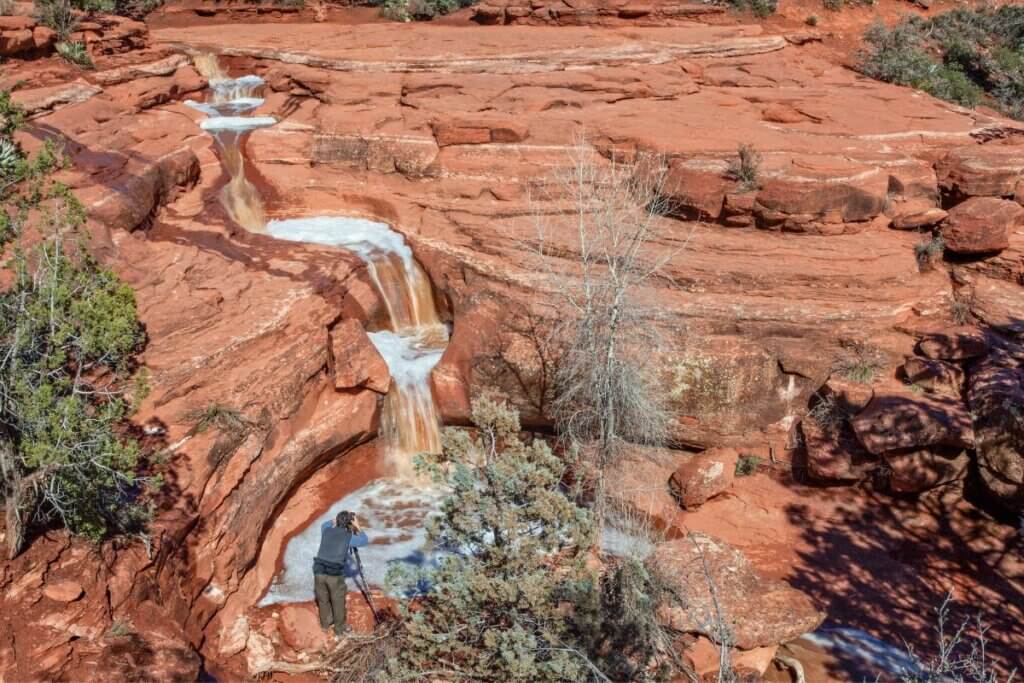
(330, 231)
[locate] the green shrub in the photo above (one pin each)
(58, 15)
(760, 8)
(746, 168)
(68, 332)
(929, 251)
(492, 612)
(419, 10)
(747, 465)
(963, 56)
(832, 5)
(76, 53)
(811, 20)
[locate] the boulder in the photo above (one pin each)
(935, 375)
(982, 170)
(916, 215)
(850, 397)
(63, 591)
(955, 343)
(638, 482)
(357, 363)
(44, 38)
(704, 476)
(981, 225)
(704, 659)
(16, 41)
(760, 612)
(917, 471)
(835, 454)
(300, 627)
(897, 420)
(16, 23)
(996, 397)
(694, 189)
(811, 199)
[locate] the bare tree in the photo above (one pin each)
(959, 656)
(605, 389)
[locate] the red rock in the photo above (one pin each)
(695, 191)
(143, 93)
(16, 23)
(913, 216)
(300, 628)
(934, 374)
(638, 483)
(704, 476)
(981, 224)
(44, 38)
(63, 591)
(835, 453)
(478, 131)
(850, 397)
(15, 42)
(982, 170)
(783, 113)
(895, 421)
(995, 394)
(357, 363)
(704, 659)
(958, 343)
(919, 471)
(759, 612)
(816, 198)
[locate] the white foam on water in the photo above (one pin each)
(227, 89)
(236, 123)
(394, 516)
(408, 359)
(207, 109)
(368, 239)
(232, 107)
(877, 655)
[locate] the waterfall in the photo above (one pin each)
(416, 338)
(228, 99)
(393, 508)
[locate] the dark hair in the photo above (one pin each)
(344, 518)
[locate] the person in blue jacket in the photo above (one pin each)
(330, 567)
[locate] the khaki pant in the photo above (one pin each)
(330, 594)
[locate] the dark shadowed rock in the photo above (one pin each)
(957, 343)
(894, 421)
(935, 375)
(835, 454)
(996, 396)
(918, 471)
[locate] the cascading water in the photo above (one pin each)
(229, 98)
(416, 340)
(393, 509)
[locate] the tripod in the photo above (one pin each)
(364, 588)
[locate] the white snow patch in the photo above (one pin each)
(394, 516)
(854, 643)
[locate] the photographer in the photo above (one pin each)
(330, 567)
